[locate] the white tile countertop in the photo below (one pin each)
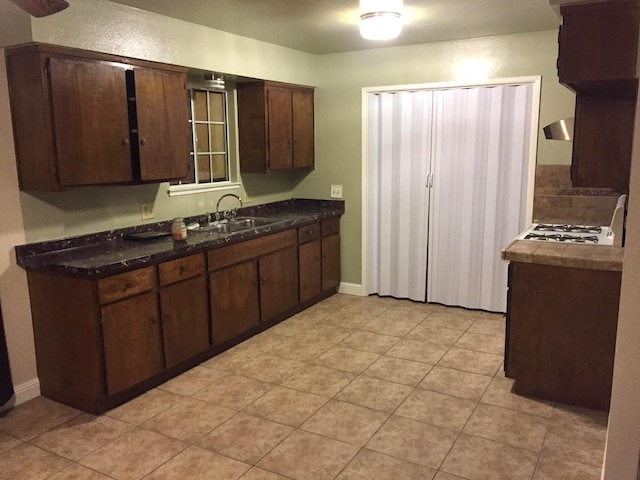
(594, 257)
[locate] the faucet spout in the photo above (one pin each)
(220, 200)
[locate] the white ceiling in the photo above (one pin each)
(330, 26)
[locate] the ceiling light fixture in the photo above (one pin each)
(380, 19)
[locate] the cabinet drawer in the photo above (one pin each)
(180, 268)
(225, 256)
(126, 284)
(309, 233)
(330, 226)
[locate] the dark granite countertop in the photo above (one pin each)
(107, 253)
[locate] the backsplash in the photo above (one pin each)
(556, 201)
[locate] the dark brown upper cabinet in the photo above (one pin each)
(598, 49)
(82, 118)
(598, 43)
(276, 128)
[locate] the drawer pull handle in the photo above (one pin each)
(181, 270)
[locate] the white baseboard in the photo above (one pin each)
(351, 289)
(27, 391)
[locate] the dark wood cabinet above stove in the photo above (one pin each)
(598, 42)
(597, 59)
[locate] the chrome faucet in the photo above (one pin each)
(232, 213)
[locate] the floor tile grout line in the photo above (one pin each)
(356, 375)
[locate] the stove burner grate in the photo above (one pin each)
(560, 237)
(548, 227)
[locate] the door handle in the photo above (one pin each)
(429, 180)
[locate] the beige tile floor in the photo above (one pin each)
(350, 389)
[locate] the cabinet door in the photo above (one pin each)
(234, 301)
(590, 49)
(331, 262)
(309, 256)
(303, 134)
(132, 341)
(280, 129)
(89, 101)
(185, 322)
(603, 139)
(163, 128)
(278, 282)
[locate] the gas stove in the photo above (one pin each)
(566, 233)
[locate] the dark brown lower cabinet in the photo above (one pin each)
(235, 306)
(185, 328)
(330, 262)
(310, 258)
(278, 282)
(132, 341)
(561, 332)
(101, 341)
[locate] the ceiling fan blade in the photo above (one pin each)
(41, 8)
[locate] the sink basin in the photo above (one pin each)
(239, 224)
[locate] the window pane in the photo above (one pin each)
(216, 107)
(200, 105)
(219, 167)
(202, 137)
(204, 169)
(217, 138)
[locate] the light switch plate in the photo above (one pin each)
(146, 211)
(336, 191)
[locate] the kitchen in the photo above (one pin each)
(341, 77)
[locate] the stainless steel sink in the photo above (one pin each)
(239, 224)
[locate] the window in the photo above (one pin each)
(208, 119)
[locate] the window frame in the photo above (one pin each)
(185, 188)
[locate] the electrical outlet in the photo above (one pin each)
(146, 211)
(336, 191)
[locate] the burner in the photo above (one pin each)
(546, 227)
(536, 236)
(578, 239)
(583, 229)
(589, 239)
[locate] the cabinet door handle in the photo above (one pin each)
(181, 270)
(143, 141)
(125, 141)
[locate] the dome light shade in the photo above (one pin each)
(380, 19)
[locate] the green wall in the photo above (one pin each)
(339, 107)
(113, 28)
